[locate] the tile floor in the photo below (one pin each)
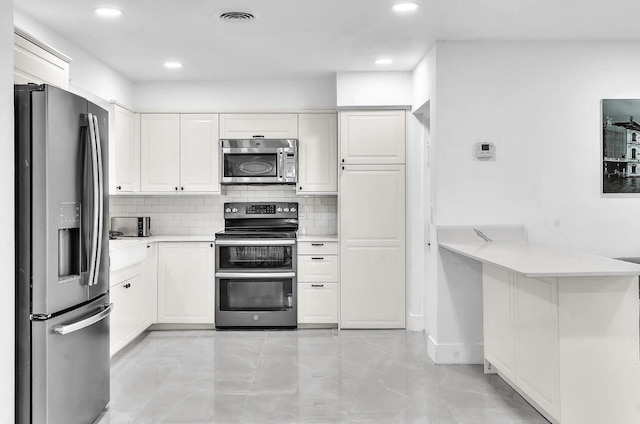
(303, 376)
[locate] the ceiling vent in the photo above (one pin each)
(237, 16)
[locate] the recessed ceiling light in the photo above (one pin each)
(383, 61)
(404, 7)
(173, 65)
(107, 12)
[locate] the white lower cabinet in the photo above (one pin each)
(521, 336)
(186, 282)
(129, 294)
(498, 320)
(150, 277)
(318, 282)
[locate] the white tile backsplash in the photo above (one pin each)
(183, 214)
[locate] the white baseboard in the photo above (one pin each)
(415, 322)
(455, 353)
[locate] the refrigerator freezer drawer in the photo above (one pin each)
(71, 365)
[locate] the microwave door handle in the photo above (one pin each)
(280, 164)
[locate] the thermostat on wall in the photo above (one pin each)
(485, 150)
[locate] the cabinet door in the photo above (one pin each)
(33, 64)
(126, 317)
(318, 153)
(318, 303)
(150, 286)
(537, 348)
(199, 153)
(372, 137)
(266, 125)
(372, 246)
(185, 283)
(498, 319)
(117, 330)
(160, 151)
(126, 152)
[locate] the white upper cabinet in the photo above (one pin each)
(125, 152)
(199, 153)
(34, 61)
(318, 153)
(252, 125)
(160, 150)
(179, 153)
(372, 137)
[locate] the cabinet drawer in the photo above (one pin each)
(317, 247)
(317, 303)
(317, 268)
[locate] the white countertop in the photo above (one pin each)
(130, 241)
(208, 237)
(540, 260)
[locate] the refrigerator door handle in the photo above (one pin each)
(95, 183)
(87, 322)
(100, 179)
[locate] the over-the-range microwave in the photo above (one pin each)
(259, 161)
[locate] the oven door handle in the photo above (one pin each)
(246, 275)
(256, 242)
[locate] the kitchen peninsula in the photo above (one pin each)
(561, 327)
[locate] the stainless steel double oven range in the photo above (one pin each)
(256, 266)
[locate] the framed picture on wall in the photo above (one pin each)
(620, 146)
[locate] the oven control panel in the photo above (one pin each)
(261, 210)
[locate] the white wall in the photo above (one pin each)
(422, 276)
(89, 77)
(291, 94)
(361, 89)
(7, 250)
(539, 102)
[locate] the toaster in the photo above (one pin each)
(137, 226)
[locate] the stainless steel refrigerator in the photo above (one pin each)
(62, 257)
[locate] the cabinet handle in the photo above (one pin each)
(211, 244)
(317, 244)
(342, 160)
(176, 188)
(300, 188)
(317, 285)
(126, 286)
(148, 246)
(317, 259)
(181, 188)
(119, 187)
(258, 136)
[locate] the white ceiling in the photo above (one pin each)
(308, 38)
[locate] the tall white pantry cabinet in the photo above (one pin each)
(372, 218)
